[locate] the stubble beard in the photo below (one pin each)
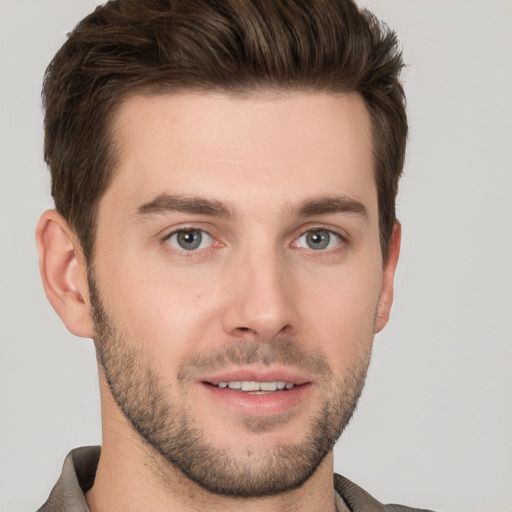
(168, 429)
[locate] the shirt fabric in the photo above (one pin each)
(79, 470)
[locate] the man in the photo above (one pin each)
(224, 176)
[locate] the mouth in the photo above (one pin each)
(254, 387)
(258, 393)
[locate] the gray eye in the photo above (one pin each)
(319, 239)
(189, 239)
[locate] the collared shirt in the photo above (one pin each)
(79, 470)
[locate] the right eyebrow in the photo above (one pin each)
(165, 203)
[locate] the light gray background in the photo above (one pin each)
(434, 427)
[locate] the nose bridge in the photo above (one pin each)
(261, 304)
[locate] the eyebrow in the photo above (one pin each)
(165, 203)
(331, 204)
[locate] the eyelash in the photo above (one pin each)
(185, 252)
(342, 241)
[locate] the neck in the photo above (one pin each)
(132, 476)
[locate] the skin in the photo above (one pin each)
(254, 282)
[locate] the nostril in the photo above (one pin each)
(245, 330)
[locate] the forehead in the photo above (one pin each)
(268, 148)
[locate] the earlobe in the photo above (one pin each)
(388, 279)
(64, 272)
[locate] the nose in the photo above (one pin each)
(261, 301)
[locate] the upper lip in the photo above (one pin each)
(257, 375)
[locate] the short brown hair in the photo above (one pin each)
(156, 46)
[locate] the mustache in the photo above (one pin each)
(286, 352)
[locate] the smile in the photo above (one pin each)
(259, 396)
(256, 387)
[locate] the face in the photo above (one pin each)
(237, 280)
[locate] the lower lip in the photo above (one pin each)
(265, 404)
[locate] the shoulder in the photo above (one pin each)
(358, 500)
(77, 477)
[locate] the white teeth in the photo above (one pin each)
(252, 386)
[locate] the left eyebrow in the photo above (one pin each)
(331, 204)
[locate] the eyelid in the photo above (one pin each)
(180, 251)
(341, 235)
(342, 238)
(206, 239)
(167, 232)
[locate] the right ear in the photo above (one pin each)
(64, 272)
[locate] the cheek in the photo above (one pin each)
(341, 316)
(166, 310)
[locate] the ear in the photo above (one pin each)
(386, 292)
(64, 272)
